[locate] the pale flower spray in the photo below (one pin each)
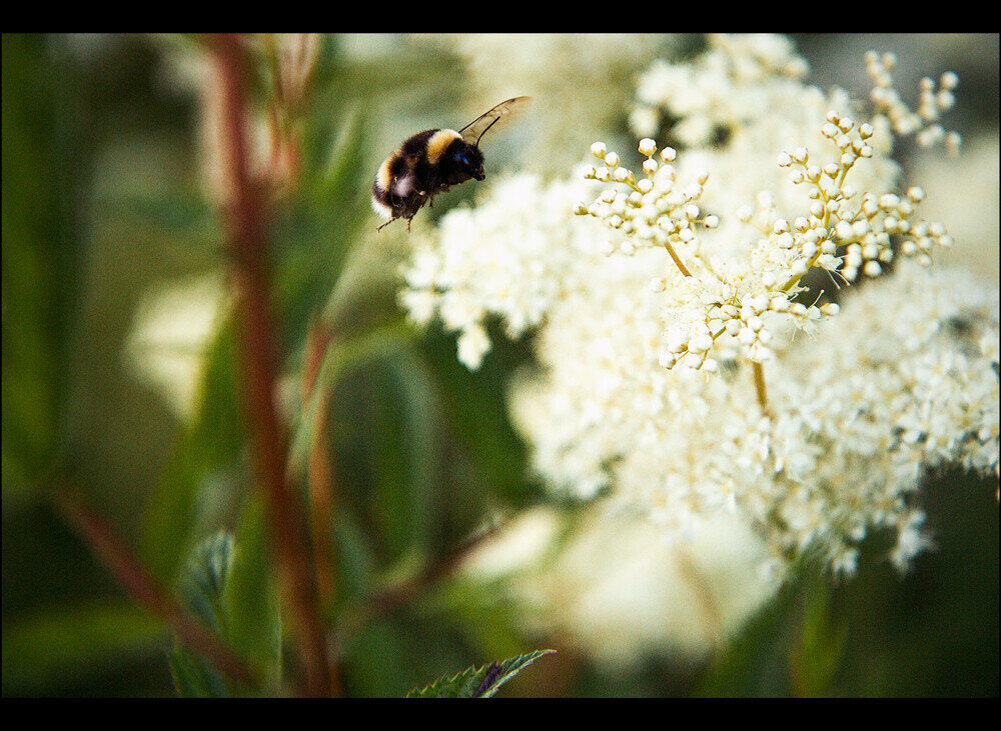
(750, 326)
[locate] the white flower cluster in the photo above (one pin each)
(875, 401)
(719, 90)
(745, 99)
(856, 415)
(895, 378)
(710, 299)
(839, 218)
(515, 256)
(656, 211)
(933, 100)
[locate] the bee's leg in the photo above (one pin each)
(408, 222)
(385, 224)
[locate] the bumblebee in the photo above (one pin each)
(433, 161)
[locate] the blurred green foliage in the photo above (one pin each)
(103, 200)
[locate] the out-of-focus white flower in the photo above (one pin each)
(734, 81)
(618, 591)
(577, 79)
(964, 194)
(519, 546)
(173, 326)
(934, 99)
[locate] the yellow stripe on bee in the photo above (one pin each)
(383, 178)
(438, 142)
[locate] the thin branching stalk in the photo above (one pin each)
(109, 547)
(405, 592)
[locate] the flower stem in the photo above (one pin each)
(759, 386)
(677, 260)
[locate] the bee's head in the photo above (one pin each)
(468, 160)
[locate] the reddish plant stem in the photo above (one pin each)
(257, 353)
(322, 495)
(120, 561)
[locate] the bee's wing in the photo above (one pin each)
(475, 129)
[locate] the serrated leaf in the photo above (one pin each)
(226, 584)
(481, 682)
(194, 677)
(202, 584)
(204, 579)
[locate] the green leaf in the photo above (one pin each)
(209, 453)
(249, 601)
(39, 164)
(480, 682)
(314, 232)
(815, 659)
(756, 662)
(194, 677)
(355, 558)
(202, 584)
(204, 580)
(475, 405)
(340, 356)
(227, 584)
(397, 414)
(480, 611)
(178, 215)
